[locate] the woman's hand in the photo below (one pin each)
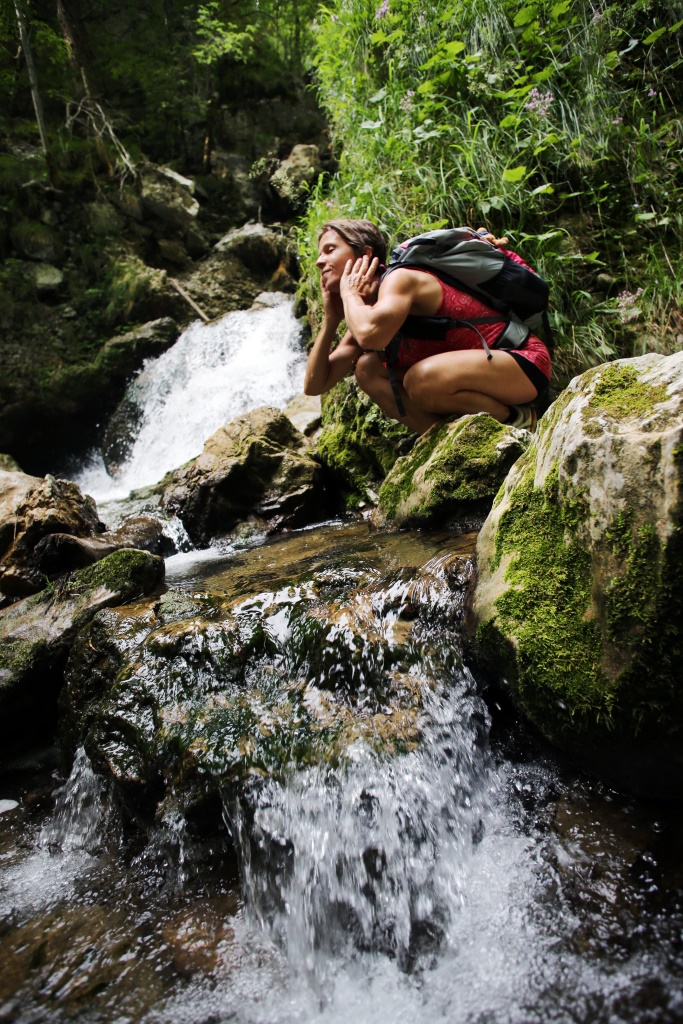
(360, 278)
(333, 306)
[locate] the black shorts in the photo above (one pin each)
(536, 376)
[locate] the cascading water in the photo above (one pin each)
(212, 374)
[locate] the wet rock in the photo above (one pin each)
(59, 553)
(125, 353)
(103, 219)
(255, 465)
(75, 960)
(173, 251)
(453, 472)
(578, 606)
(296, 175)
(31, 508)
(36, 635)
(181, 696)
(240, 190)
(359, 443)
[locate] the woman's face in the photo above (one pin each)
(333, 254)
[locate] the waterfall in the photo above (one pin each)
(212, 374)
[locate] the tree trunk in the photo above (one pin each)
(33, 80)
(82, 59)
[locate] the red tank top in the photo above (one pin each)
(457, 305)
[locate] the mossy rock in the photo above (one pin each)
(453, 472)
(359, 443)
(579, 607)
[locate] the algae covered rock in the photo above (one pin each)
(358, 442)
(579, 604)
(453, 472)
(257, 465)
(36, 635)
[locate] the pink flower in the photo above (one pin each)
(382, 10)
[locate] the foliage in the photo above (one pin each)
(555, 123)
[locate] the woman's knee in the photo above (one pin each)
(368, 370)
(421, 386)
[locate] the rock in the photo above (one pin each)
(30, 509)
(296, 175)
(305, 412)
(359, 443)
(126, 352)
(579, 606)
(36, 241)
(168, 196)
(180, 697)
(36, 634)
(48, 279)
(259, 248)
(453, 472)
(255, 465)
(9, 465)
(240, 190)
(173, 251)
(103, 219)
(59, 553)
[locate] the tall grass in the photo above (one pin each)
(556, 123)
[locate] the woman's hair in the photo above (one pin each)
(359, 234)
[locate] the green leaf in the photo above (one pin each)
(378, 37)
(525, 16)
(426, 87)
(675, 28)
(543, 76)
(558, 10)
(509, 121)
(654, 36)
(378, 97)
(514, 173)
(454, 48)
(542, 190)
(371, 124)
(645, 216)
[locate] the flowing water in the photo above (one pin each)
(471, 878)
(212, 374)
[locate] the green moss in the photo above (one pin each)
(128, 571)
(358, 442)
(621, 394)
(548, 610)
(462, 465)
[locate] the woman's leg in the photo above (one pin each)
(468, 382)
(373, 378)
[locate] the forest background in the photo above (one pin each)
(557, 124)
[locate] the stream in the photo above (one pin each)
(471, 876)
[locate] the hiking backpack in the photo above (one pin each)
(464, 259)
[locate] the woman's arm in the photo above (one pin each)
(324, 369)
(373, 326)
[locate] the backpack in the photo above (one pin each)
(464, 259)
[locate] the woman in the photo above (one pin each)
(434, 379)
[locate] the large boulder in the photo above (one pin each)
(359, 443)
(579, 604)
(31, 508)
(256, 465)
(453, 473)
(36, 635)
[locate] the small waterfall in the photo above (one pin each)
(81, 807)
(212, 374)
